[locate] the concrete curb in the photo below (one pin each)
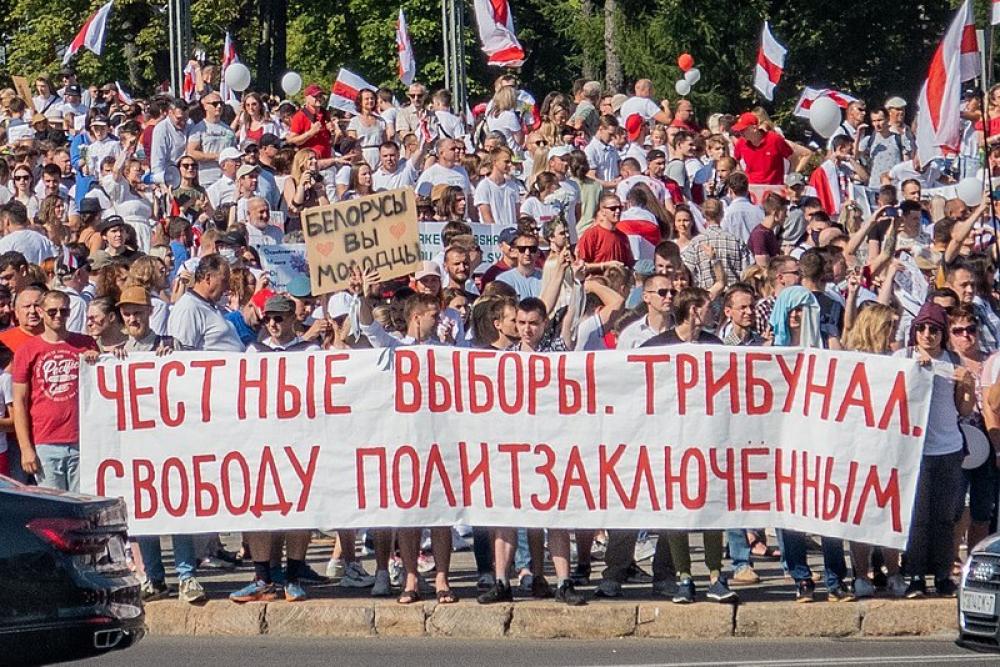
(547, 620)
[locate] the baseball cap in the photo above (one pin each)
(794, 179)
(895, 102)
(268, 139)
(299, 287)
(110, 222)
(313, 90)
(246, 170)
(90, 205)
(230, 154)
(279, 304)
(560, 151)
(617, 101)
(633, 125)
(427, 269)
(339, 305)
(73, 89)
(99, 119)
(135, 295)
(507, 235)
(231, 239)
(745, 120)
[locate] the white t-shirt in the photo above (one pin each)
(212, 138)
(370, 137)
(507, 123)
(501, 199)
(538, 210)
(656, 186)
(943, 435)
(590, 334)
(405, 177)
(438, 174)
(450, 125)
(35, 247)
(643, 106)
(222, 191)
(196, 324)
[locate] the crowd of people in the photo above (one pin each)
(623, 221)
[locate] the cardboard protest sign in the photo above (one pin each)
(23, 89)
(487, 236)
(283, 263)
(379, 231)
(705, 437)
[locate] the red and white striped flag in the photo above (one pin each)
(770, 64)
(939, 124)
(91, 34)
(496, 30)
(345, 91)
(407, 62)
(810, 95)
(188, 82)
(123, 97)
(229, 57)
(995, 13)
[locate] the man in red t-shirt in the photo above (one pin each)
(28, 311)
(310, 127)
(602, 244)
(761, 153)
(46, 373)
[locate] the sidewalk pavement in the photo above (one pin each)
(767, 610)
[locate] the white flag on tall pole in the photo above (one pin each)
(939, 123)
(91, 35)
(770, 64)
(407, 62)
(995, 13)
(496, 30)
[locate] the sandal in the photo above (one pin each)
(446, 596)
(409, 597)
(768, 552)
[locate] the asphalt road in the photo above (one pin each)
(173, 651)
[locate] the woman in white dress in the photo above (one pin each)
(368, 127)
(125, 188)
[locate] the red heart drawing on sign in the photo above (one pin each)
(324, 248)
(398, 229)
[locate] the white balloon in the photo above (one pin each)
(291, 83)
(824, 116)
(682, 87)
(238, 77)
(692, 76)
(970, 190)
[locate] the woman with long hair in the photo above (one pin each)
(254, 120)
(643, 205)
(24, 189)
(51, 217)
(503, 118)
(129, 196)
(104, 324)
(190, 196)
(590, 190)
(873, 332)
(368, 127)
(360, 182)
(451, 205)
(544, 185)
(304, 187)
(151, 273)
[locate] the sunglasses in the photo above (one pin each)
(61, 312)
(217, 103)
(527, 248)
(964, 331)
(251, 150)
(612, 208)
(22, 177)
(663, 292)
(189, 165)
(929, 328)
(277, 319)
(541, 142)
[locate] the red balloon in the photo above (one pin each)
(685, 62)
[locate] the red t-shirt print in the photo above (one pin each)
(52, 373)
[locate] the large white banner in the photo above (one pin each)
(677, 437)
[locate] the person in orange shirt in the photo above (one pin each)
(27, 310)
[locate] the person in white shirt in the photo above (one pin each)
(569, 192)
(102, 144)
(197, 322)
(602, 155)
(223, 191)
(446, 123)
(260, 231)
(73, 275)
(388, 110)
(497, 195)
(393, 173)
(208, 139)
(446, 171)
(168, 142)
(642, 104)
(741, 216)
(658, 295)
(502, 117)
(35, 247)
(47, 102)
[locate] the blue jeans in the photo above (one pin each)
(185, 561)
(59, 467)
(793, 553)
(522, 556)
(739, 548)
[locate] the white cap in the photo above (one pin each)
(560, 151)
(339, 304)
(230, 154)
(895, 102)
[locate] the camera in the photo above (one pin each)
(316, 176)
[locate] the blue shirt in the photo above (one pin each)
(524, 286)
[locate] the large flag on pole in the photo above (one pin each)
(229, 57)
(995, 13)
(939, 129)
(770, 64)
(91, 35)
(407, 63)
(346, 89)
(496, 30)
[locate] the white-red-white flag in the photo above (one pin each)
(810, 95)
(91, 35)
(407, 62)
(189, 82)
(939, 124)
(346, 89)
(770, 64)
(123, 96)
(995, 13)
(229, 56)
(496, 30)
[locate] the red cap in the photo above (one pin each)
(744, 121)
(313, 89)
(261, 297)
(633, 125)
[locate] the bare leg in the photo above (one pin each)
(861, 560)
(441, 546)
(345, 540)
(383, 547)
(409, 551)
(559, 549)
(504, 545)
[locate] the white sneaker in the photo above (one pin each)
(356, 577)
(396, 572)
(644, 549)
(896, 585)
(190, 591)
(382, 588)
(335, 569)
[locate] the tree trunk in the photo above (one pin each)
(265, 75)
(613, 77)
(279, 33)
(587, 50)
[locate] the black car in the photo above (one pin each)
(66, 590)
(978, 610)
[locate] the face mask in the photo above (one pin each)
(228, 254)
